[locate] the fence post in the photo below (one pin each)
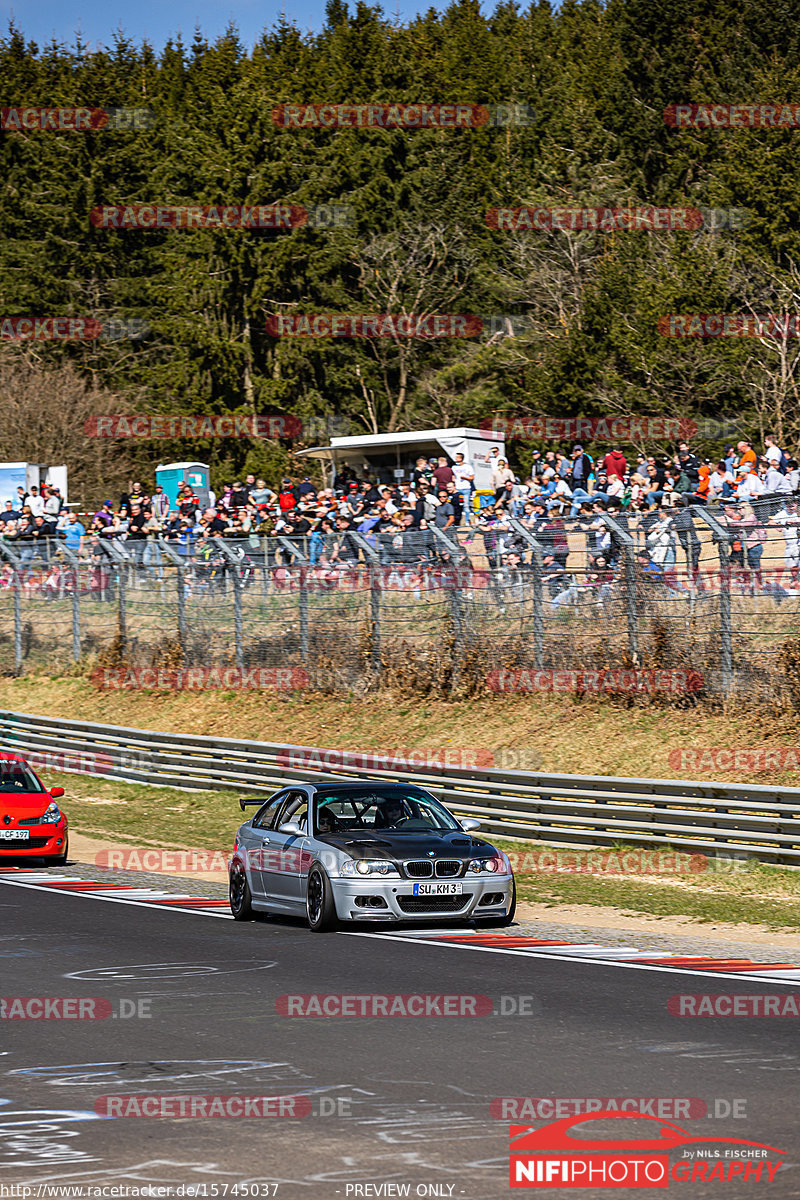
(724, 538)
(373, 558)
(180, 586)
(631, 607)
(536, 569)
(300, 556)
(236, 567)
(74, 562)
(16, 563)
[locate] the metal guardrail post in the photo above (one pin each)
(536, 571)
(373, 558)
(724, 538)
(631, 607)
(73, 561)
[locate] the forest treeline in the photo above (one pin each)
(596, 80)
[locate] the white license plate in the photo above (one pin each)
(14, 835)
(438, 889)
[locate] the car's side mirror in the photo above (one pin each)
(291, 827)
(55, 792)
(467, 824)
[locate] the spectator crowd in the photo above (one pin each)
(437, 517)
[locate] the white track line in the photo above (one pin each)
(772, 977)
(104, 895)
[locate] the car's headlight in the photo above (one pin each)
(368, 866)
(491, 866)
(52, 816)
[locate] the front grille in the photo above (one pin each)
(419, 870)
(432, 904)
(449, 867)
(33, 843)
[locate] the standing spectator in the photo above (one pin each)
(288, 495)
(755, 536)
(455, 498)
(52, 503)
(136, 531)
(661, 540)
(444, 516)
(501, 474)
(580, 470)
(422, 473)
(262, 494)
(464, 481)
(615, 464)
(443, 474)
(773, 453)
(747, 456)
(160, 503)
(74, 533)
(35, 502)
(789, 520)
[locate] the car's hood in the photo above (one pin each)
(23, 804)
(386, 843)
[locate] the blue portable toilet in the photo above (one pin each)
(172, 475)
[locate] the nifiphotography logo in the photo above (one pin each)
(553, 1157)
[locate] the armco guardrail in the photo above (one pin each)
(715, 818)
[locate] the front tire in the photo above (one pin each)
(239, 896)
(320, 907)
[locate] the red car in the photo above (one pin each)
(31, 823)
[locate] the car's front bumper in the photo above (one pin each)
(385, 899)
(43, 841)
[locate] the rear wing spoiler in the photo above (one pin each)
(259, 800)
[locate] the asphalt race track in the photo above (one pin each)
(393, 1100)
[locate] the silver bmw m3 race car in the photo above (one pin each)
(349, 850)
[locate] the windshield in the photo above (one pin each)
(17, 777)
(403, 810)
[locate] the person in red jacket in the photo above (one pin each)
(615, 463)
